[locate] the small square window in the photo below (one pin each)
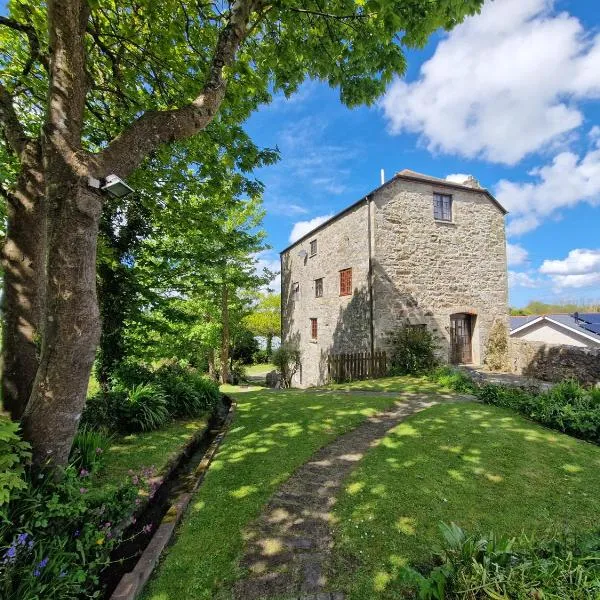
(319, 288)
(346, 282)
(313, 247)
(314, 329)
(295, 291)
(442, 207)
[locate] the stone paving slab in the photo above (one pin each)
(286, 548)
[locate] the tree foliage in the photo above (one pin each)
(117, 85)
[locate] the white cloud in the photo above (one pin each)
(521, 279)
(516, 254)
(578, 261)
(301, 228)
(502, 84)
(269, 260)
(457, 177)
(565, 182)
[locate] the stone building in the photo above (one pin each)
(417, 250)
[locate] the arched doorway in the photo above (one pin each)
(461, 338)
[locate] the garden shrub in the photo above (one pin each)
(287, 361)
(412, 350)
(131, 373)
(497, 350)
(261, 357)
(187, 393)
(454, 379)
(88, 449)
(14, 453)
(144, 409)
(102, 410)
(484, 567)
(567, 407)
(55, 538)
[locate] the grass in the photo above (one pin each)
(483, 467)
(392, 384)
(273, 434)
(139, 450)
(260, 369)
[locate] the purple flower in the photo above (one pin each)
(40, 566)
(84, 473)
(99, 451)
(76, 533)
(11, 554)
(82, 490)
(30, 544)
(62, 573)
(22, 538)
(147, 528)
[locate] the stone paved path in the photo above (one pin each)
(287, 546)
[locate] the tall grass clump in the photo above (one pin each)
(473, 567)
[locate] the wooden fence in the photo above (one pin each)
(355, 366)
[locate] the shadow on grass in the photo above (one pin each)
(274, 432)
(482, 467)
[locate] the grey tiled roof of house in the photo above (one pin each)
(564, 319)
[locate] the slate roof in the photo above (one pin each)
(568, 320)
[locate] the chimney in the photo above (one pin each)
(470, 181)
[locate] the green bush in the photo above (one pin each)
(14, 453)
(454, 379)
(88, 449)
(412, 350)
(567, 407)
(144, 409)
(101, 411)
(476, 567)
(287, 360)
(55, 538)
(131, 373)
(187, 393)
(261, 357)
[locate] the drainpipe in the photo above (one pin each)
(370, 276)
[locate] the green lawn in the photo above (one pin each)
(482, 467)
(260, 369)
(390, 384)
(139, 450)
(274, 432)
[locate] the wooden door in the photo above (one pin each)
(460, 339)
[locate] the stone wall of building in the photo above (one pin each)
(343, 321)
(550, 362)
(426, 270)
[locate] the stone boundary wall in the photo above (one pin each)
(551, 362)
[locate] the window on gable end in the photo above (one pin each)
(313, 247)
(442, 207)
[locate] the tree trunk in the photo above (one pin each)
(23, 259)
(225, 334)
(72, 325)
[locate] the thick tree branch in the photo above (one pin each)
(10, 123)
(127, 151)
(34, 43)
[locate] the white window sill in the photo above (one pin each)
(443, 222)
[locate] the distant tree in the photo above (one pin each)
(265, 319)
(537, 307)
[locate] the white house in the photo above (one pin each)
(581, 330)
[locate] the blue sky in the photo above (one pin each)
(511, 96)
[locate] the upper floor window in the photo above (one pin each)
(442, 207)
(314, 329)
(346, 282)
(295, 291)
(313, 247)
(319, 288)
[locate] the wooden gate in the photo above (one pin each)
(355, 366)
(460, 339)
